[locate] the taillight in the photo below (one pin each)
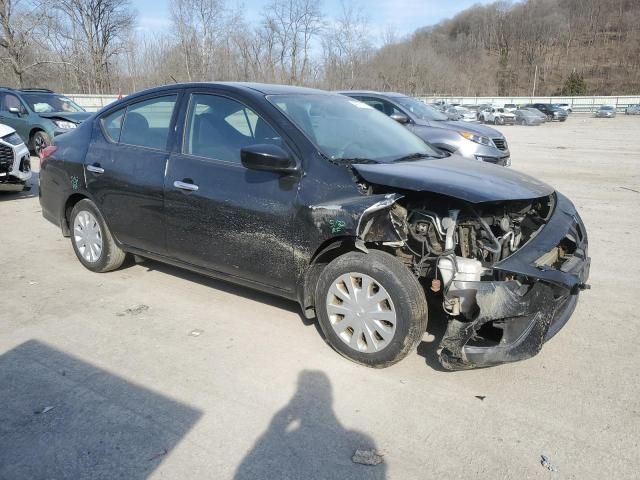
(46, 153)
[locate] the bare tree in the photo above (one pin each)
(294, 24)
(19, 20)
(346, 46)
(198, 26)
(100, 28)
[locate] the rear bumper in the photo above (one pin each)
(516, 317)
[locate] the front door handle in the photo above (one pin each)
(95, 169)
(191, 187)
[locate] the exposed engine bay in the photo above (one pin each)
(502, 302)
(462, 242)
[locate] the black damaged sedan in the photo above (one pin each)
(322, 199)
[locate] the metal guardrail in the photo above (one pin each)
(93, 103)
(577, 104)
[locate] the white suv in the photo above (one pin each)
(496, 115)
(15, 161)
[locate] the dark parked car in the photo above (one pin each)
(472, 141)
(321, 199)
(551, 110)
(38, 115)
(527, 117)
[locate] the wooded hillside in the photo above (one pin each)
(97, 46)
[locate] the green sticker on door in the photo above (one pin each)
(337, 226)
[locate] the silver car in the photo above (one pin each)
(526, 117)
(15, 162)
(632, 110)
(469, 140)
(461, 113)
(605, 111)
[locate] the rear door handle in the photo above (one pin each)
(191, 187)
(95, 169)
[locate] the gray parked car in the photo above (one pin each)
(632, 110)
(526, 117)
(469, 140)
(536, 112)
(605, 111)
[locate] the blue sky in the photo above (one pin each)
(405, 16)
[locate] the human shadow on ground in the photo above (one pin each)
(61, 417)
(305, 440)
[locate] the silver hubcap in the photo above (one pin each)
(87, 236)
(361, 312)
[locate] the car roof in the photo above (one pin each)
(249, 87)
(371, 92)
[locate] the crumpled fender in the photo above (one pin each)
(366, 218)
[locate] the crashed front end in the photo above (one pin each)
(508, 273)
(522, 300)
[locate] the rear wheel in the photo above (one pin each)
(370, 308)
(39, 141)
(91, 239)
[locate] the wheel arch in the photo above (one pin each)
(324, 254)
(71, 202)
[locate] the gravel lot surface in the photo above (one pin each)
(154, 372)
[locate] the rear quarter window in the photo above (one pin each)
(112, 125)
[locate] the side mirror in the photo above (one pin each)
(15, 111)
(267, 157)
(400, 118)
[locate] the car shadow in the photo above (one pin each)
(228, 287)
(62, 417)
(306, 440)
(30, 190)
(436, 327)
(437, 324)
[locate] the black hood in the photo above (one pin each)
(75, 117)
(456, 177)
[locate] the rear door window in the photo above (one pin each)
(147, 123)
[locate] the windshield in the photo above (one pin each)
(509, 105)
(606, 108)
(50, 103)
(526, 113)
(420, 109)
(346, 129)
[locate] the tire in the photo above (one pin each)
(88, 229)
(402, 308)
(39, 141)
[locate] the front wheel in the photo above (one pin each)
(91, 239)
(39, 141)
(371, 308)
